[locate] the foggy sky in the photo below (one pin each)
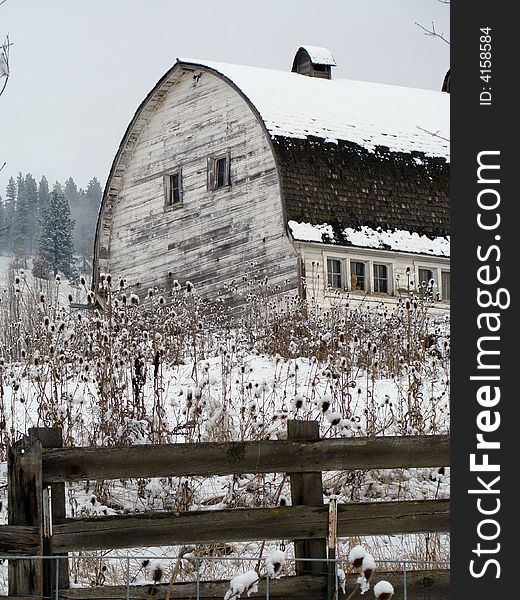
(80, 68)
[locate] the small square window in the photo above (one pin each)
(446, 286)
(334, 273)
(357, 275)
(218, 172)
(173, 188)
(381, 284)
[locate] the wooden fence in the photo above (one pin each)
(39, 467)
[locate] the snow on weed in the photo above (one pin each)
(170, 367)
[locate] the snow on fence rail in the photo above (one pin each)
(38, 465)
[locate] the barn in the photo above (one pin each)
(333, 189)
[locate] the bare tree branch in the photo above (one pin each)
(432, 32)
(433, 134)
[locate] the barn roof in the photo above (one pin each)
(368, 114)
(366, 162)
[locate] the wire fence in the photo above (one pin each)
(126, 572)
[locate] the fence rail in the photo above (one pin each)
(249, 524)
(38, 468)
(208, 458)
(423, 580)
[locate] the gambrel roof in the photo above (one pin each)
(351, 156)
(368, 114)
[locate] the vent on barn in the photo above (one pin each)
(313, 61)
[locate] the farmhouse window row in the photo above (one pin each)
(219, 176)
(377, 277)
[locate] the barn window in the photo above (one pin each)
(357, 275)
(381, 282)
(446, 286)
(334, 273)
(173, 188)
(425, 282)
(218, 171)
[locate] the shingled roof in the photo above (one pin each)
(353, 154)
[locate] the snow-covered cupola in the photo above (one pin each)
(313, 61)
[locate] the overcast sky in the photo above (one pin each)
(80, 68)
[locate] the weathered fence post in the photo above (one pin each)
(24, 476)
(52, 437)
(307, 488)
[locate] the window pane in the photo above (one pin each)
(446, 285)
(381, 279)
(357, 275)
(175, 188)
(334, 275)
(221, 172)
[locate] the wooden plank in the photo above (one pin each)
(307, 489)
(421, 585)
(18, 540)
(24, 477)
(208, 458)
(52, 437)
(249, 524)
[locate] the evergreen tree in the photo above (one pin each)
(9, 212)
(43, 193)
(3, 228)
(94, 193)
(20, 229)
(55, 248)
(31, 192)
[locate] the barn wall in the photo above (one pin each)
(216, 236)
(315, 256)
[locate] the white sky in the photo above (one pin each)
(80, 68)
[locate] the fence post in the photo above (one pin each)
(52, 437)
(24, 477)
(307, 488)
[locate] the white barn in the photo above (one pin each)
(329, 188)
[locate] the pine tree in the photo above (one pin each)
(3, 228)
(31, 192)
(94, 193)
(43, 193)
(9, 212)
(55, 248)
(20, 240)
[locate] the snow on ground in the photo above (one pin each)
(28, 281)
(221, 386)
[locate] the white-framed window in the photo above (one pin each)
(173, 188)
(381, 278)
(445, 286)
(219, 171)
(335, 273)
(358, 276)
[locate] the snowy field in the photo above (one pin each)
(172, 369)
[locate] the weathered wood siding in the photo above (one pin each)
(215, 236)
(314, 257)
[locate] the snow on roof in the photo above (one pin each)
(365, 237)
(368, 114)
(319, 55)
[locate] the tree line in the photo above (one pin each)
(53, 227)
